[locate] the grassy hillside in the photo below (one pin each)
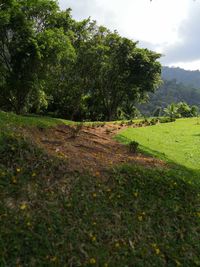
(129, 215)
(177, 142)
(10, 119)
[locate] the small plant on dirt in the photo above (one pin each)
(100, 124)
(145, 122)
(103, 124)
(76, 130)
(108, 131)
(130, 123)
(94, 125)
(133, 146)
(122, 123)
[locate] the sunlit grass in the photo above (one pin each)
(11, 119)
(177, 142)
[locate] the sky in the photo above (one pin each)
(170, 27)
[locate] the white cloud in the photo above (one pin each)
(187, 50)
(162, 25)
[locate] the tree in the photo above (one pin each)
(194, 111)
(80, 70)
(67, 81)
(29, 46)
(171, 111)
(184, 109)
(116, 71)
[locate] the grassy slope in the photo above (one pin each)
(10, 119)
(178, 142)
(51, 217)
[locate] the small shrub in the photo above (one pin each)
(167, 119)
(145, 122)
(128, 123)
(94, 125)
(154, 121)
(76, 130)
(122, 123)
(133, 146)
(108, 131)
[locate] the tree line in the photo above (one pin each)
(53, 64)
(170, 92)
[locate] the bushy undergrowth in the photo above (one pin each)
(133, 146)
(134, 216)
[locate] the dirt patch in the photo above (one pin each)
(93, 149)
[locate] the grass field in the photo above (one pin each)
(132, 216)
(177, 142)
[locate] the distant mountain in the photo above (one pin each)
(186, 77)
(179, 85)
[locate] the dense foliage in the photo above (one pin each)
(186, 77)
(170, 92)
(181, 109)
(78, 70)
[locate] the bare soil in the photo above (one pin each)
(93, 149)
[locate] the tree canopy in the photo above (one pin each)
(78, 70)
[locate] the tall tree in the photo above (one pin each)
(116, 71)
(28, 46)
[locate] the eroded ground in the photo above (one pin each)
(93, 149)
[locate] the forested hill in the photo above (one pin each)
(170, 92)
(186, 77)
(179, 85)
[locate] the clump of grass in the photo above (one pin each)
(154, 121)
(167, 120)
(75, 130)
(145, 122)
(133, 146)
(129, 123)
(122, 123)
(11, 119)
(94, 124)
(102, 124)
(108, 131)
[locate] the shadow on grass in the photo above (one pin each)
(11, 119)
(185, 173)
(148, 216)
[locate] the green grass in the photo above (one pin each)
(51, 217)
(11, 119)
(177, 142)
(133, 216)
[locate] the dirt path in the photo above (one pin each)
(93, 149)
